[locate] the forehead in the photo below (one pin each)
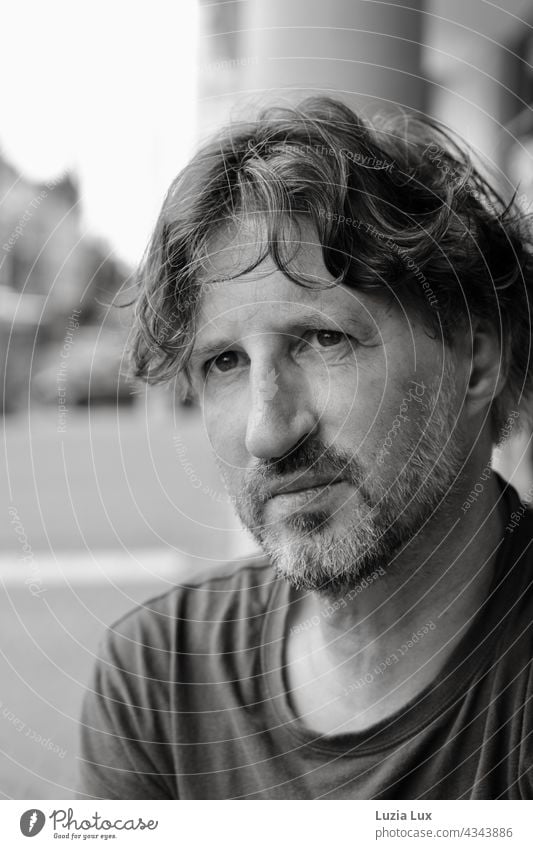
(232, 248)
(264, 298)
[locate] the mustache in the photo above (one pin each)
(309, 455)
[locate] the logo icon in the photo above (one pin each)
(32, 822)
(268, 388)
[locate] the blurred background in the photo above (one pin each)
(110, 495)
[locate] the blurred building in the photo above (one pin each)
(468, 64)
(369, 54)
(48, 268)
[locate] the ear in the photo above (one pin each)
(487, 368)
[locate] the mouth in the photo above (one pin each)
(303, 484)
(307, 496)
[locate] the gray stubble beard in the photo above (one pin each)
(308, 551)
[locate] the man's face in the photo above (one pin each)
(330, 412)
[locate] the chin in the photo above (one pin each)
(322, 554)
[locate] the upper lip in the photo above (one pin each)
(302, 481)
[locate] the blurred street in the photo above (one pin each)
(96, 520)
(113, 479)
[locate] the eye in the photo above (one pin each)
(331, 345)
(328, 338)
(224, 362)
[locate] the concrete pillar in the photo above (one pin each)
(366, 53)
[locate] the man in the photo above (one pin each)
(350, 307)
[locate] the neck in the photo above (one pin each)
(433, 588)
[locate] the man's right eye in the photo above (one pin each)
(224, 362)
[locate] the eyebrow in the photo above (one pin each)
(311, 322)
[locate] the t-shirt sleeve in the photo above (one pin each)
(124, 750)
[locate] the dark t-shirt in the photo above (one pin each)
(188, 701)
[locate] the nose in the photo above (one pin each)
(281, 411)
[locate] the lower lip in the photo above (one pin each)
(312, 497)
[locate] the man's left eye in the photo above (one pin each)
(328, 338)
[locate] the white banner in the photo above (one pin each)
(208, 824)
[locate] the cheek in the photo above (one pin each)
(397, 433)
(225, 425)
(375, 418)
(351, 406)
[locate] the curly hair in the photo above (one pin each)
(396, 204)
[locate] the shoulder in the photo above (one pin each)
(145, 661)
(514, 585)
(191, 615)
(519, 607)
